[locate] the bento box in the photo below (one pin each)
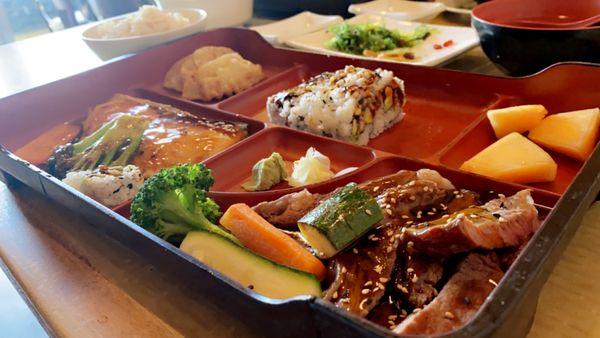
(444, 124)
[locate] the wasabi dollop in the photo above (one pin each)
(266, 173)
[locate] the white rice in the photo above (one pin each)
(147, 20)
(110, 186)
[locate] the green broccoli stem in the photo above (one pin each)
(177, 219)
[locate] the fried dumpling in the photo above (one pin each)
(212, 73)
(186, 66)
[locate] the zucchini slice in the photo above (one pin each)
(245, 267)
(340, 220)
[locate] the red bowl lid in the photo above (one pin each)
(536, 14)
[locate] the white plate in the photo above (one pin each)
(399, 9)
(453, 6)
(299, 24)
(463, 39)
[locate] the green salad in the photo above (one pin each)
(355, 39)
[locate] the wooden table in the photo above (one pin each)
(85, 284)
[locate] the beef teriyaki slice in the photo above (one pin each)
(502, 222)
(364, 271)
(459, 300)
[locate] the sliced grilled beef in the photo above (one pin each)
(502, 222)
(418, 277)
(364, 272)
(288, 209)
(459, 299)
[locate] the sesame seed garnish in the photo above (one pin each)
(409, 222)
(404, 217)
(388, 211)
(412, 197)
(410, 244)
(391, 322)
(448, 315)
(368, 283)
(403, 313)
(409, 270)
(375, 189)
(425, 188)
(388, 249)
(415, 279)
(431, 213)
(392, 317)
(383, 279)
(368, 212)
(378, 268)
(376, 289)
(434, 209)
(393, 200)
(354, 250)
(389, 232)
(473, 216)
(501, 219)
(416, 310)
(365, 291)
(435, 292)
(335, 295)
(380, 286)
(501, 196)
(460, 215)
(492, 282)
(456, 192)
(402, 288)
(344, 269)
(445, 216)
(361, 305)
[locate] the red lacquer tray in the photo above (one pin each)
(444, 125)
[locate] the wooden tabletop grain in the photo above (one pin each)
(85, 284)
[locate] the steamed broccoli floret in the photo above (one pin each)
(111, 145)
(174, 202)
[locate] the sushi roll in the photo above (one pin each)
(352, 104)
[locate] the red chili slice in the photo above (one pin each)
(436, 46)
(448, 43)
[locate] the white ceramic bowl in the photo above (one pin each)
(113, 47)
(221, 13)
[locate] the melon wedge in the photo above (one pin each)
(573, 134)
(516, 119)
(513, 158)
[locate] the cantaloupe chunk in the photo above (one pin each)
(516, 119)
(573, 134)
(513, 158)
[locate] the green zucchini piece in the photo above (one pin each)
(245, 267)
(340, 220)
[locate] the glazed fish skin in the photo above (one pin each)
(352, 104)
(502, 222)
(459, 299)
(173, 136)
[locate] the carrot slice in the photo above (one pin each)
(261, 237)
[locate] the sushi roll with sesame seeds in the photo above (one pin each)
(352, 104)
